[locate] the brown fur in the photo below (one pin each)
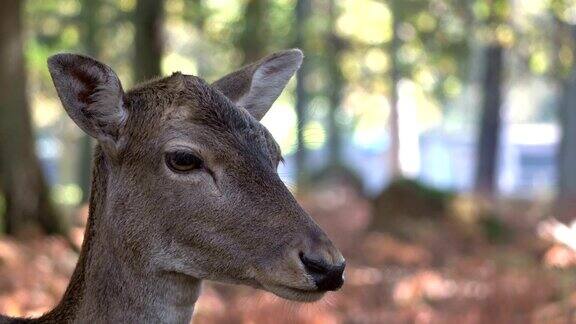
(153, 235)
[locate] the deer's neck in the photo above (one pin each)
(110, 285)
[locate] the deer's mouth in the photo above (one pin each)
(295, 294)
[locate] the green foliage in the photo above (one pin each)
(494, 229)
(419, 189)
(433, 42)
(408, 198)
(434, 54)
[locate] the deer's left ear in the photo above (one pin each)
(256, 86)
(92, 95)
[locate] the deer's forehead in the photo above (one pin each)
(185, 97)
(186, 108)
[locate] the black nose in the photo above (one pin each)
(327, 277)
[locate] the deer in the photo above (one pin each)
(184, 189)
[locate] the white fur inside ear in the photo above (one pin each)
(92, 95)
(108, 116)
(268, 81)
(109, 105)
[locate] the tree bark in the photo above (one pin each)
(393, 120)
(23, 185)
(254, 36)
(196, 13)
(90, 26)
(302, 95)
(566, 199)
(490, 123)
(148, 45)
(335, 83)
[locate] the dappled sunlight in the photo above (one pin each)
(281, 121)
(374, 28)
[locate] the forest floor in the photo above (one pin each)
(434, 270)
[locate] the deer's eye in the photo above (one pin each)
(182, 161)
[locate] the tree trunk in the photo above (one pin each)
(148, 45)
(90, 26)
(489, 135)
(393, 121)
(566, 200)
(335, 83)
(302, 95)
(254, 35)
(195, 12)
(23, 185)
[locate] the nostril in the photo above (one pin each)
(327, 277)
(312, 265)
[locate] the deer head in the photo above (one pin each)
(191, 183)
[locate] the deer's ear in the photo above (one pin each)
(256, 86)
(91, 93)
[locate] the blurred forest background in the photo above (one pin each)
(434, 140)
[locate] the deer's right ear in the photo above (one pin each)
(256, 86)
(92, 95)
